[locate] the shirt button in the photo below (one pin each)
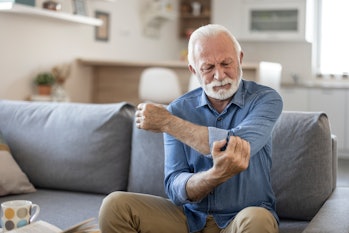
(219, 119)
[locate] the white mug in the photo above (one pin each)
(18, 213)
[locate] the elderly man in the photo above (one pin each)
(217, 151)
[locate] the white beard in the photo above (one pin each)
(222, 94)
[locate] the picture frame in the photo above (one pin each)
(79, 7)
(102, 32)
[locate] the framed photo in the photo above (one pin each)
(102, 32)
(80, 7)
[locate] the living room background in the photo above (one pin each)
(31, 44)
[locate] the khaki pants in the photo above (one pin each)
(125, 212)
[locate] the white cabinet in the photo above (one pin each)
(290, 20)
(333, 102)
(295, 99)
(345, 152)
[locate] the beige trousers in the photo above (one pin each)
(125, 212)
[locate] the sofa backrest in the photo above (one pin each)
(70, 146)
(304, 164)
(147, 163)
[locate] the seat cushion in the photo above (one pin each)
(70, 146)
(62, 208)
(302, 172)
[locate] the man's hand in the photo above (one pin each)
(233, 160)
(156, 118)
(153, 117)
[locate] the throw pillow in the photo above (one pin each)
(12, 178)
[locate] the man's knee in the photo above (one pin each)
(112, 201)
(111, 206)
(252, 218)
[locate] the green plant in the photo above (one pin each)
(45, 78)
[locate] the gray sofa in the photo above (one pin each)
(75, 154)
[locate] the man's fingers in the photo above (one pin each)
(217, 145)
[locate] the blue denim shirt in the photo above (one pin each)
(251, 115)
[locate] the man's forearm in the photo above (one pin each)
(193, 135)
(157, 118)
(198, 187)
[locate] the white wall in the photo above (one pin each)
(31, 44)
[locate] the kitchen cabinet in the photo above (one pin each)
(344, 153)
(193, 14)
(267, 20)
(277, 20)
(295, 99)
(334, 103)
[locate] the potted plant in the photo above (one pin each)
(44, 82)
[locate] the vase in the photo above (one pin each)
(44, 89)
(59, 94)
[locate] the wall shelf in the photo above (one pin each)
(33, 11)
(188, 20)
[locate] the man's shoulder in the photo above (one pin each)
(192, 96)
(190, 99)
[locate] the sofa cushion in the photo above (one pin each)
(12, 179)
(302, 172)
(62, 208)
(147, 163)
(70, 146)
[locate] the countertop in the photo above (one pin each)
(326, 84)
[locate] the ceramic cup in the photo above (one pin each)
(18, 213)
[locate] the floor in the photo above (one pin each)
(343, 172)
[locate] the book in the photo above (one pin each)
(85, 226)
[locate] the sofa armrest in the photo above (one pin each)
(333, 215)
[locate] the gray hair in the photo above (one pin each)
(207, 31)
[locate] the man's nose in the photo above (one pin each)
(218, 74)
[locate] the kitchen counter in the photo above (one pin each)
(326, 84)
(118, 80)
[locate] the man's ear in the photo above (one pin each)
(191, 69)
(241, 56)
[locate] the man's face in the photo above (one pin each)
(219, 67)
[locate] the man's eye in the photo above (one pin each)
(207, 68)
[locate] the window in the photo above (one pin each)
(333, 39)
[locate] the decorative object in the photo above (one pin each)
(80, 7)
(61, 74)
(44, 82)
(102, 32)
(196, 6)
(52, 5)
(154, 14)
